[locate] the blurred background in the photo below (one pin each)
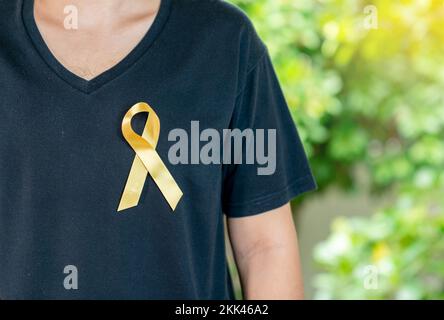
(365, 84)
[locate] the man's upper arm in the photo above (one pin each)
(272, 229)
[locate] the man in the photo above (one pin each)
(89, 208)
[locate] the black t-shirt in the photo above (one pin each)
(64, 161)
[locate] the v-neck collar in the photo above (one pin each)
(88, 86)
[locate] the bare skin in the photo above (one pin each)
(266, 250)
(107, 31)
(265, 246)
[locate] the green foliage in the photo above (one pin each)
(361, 96)
(396, 254)
(374, 98)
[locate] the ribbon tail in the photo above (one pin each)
(134, 185)
(163, 178)
(169, 189)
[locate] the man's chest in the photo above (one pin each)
(60, 142)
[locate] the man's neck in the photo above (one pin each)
(97, 13)
(104, 33)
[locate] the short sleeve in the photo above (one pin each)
(268, 182)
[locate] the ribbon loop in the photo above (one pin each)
(147, 160)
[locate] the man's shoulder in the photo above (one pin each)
(223, 21)
(216, 10)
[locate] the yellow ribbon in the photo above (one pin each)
(146, 160)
